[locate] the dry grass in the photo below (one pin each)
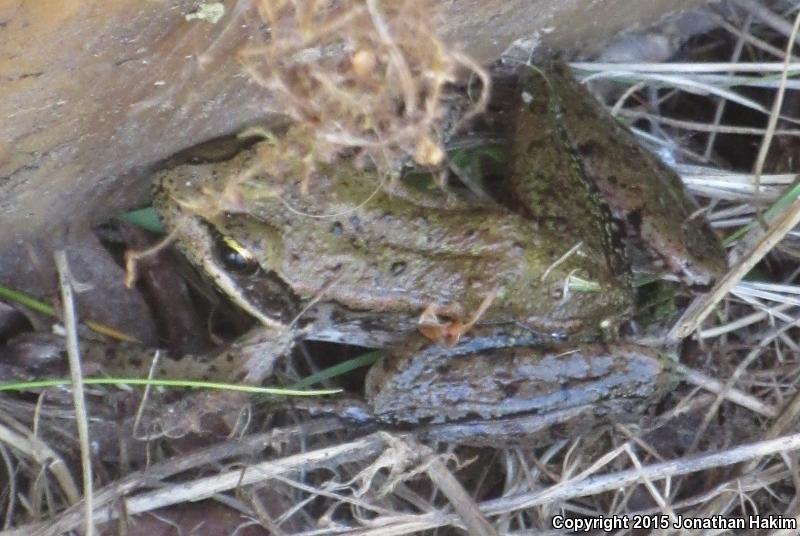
(707, 456)
(364, 76)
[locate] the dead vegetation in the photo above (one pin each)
(364, 76)
(699, 455)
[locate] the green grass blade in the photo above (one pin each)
(34, 304)
(339, 369)
(777, 207)
(38, 384)
(27, 300)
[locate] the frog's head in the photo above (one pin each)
(233, 249)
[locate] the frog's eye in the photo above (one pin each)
(235, 257)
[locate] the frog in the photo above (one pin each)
(358, 258)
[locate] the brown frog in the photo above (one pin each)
(359, 258)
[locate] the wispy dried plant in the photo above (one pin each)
(360, 75)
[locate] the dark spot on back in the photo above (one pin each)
(634, 219)
(533, 146)
(398, 268)
(587, 149)
(510, 390)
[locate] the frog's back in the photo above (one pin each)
(350, 241)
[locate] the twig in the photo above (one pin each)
(702, 306)
(722, 390)
(451, 488)
(571, 489)
(39, 451)
(11, 487)
(73, 355)
(760, 11)
(71, 518)
(705, 67)
(777, 103)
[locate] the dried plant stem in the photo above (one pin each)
(206, 487)
(762, 12)
(40, 452)
(784, 422)
(777, 104)
(462, 503)
(681, 466)
(11, 487)
(723, 390)
(71, 518)
(745, 321)
(763, 243)
(688, 68)
(76, 374)
(572, 488)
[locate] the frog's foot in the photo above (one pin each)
(449, 332)
(436, 326)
